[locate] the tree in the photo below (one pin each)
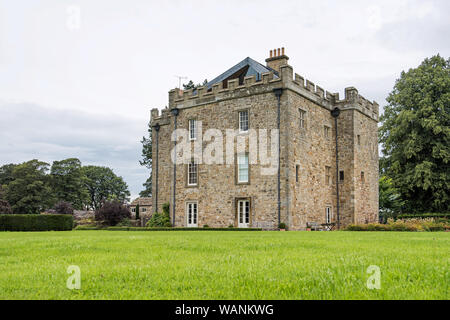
(147, 161)
(112, 212)
(191, 85)
(5, 208)
(69, 182)
(415, 133)
(137, 211)
(102, 184)
(389, 199)
(63, 207)
(6, 173)
(29, 192)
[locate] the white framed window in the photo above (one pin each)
(192, 178)
(242, 163)
(243, 121)
(144, 209)
(133, 209)
(328, 215)
(192, 214)
(302, 118)
(192, 129)
(243, 213)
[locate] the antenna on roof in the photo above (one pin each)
(179, 80)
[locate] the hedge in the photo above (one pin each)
(424, 215)
(180, 229)
(36, 222)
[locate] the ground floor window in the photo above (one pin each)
(192, 214)
(243, 213)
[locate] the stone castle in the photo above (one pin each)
(327, 155)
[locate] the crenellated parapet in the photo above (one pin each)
(201, 95)
(267, 82)
(352, 100)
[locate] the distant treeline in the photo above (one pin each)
(34, 186)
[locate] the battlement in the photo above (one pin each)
(218, 91)
(352, 98)
(267, 82)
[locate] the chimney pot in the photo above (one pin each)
(277, 59)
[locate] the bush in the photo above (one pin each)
(112, 212)
(160, 220)
(443, 215)
(36, 222)
(282, 225)
(124, 223)
(5, 208)
(88, 227)
(420, 224)
(63, 207)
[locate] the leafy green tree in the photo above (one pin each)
(390, 199)
(5, 208)
(102, 185)
(415, 134)
(112, 212)
(191, 85)
(6, 173)
(30, 191)
(137, 211)
(147, 161)
(69, 182)
(147, 192)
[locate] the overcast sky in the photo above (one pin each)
(78, 78)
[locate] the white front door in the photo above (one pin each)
(243, 213)
(191, 214)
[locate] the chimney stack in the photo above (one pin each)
(277, 59)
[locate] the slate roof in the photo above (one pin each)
(143, 201)
(253, 68)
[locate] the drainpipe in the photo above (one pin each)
(156, 127)
(335, 114)
(175, 112)
(278, 92)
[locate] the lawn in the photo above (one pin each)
(224, 265)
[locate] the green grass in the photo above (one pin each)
(224, 265)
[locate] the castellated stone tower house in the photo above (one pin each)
(316, 168)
